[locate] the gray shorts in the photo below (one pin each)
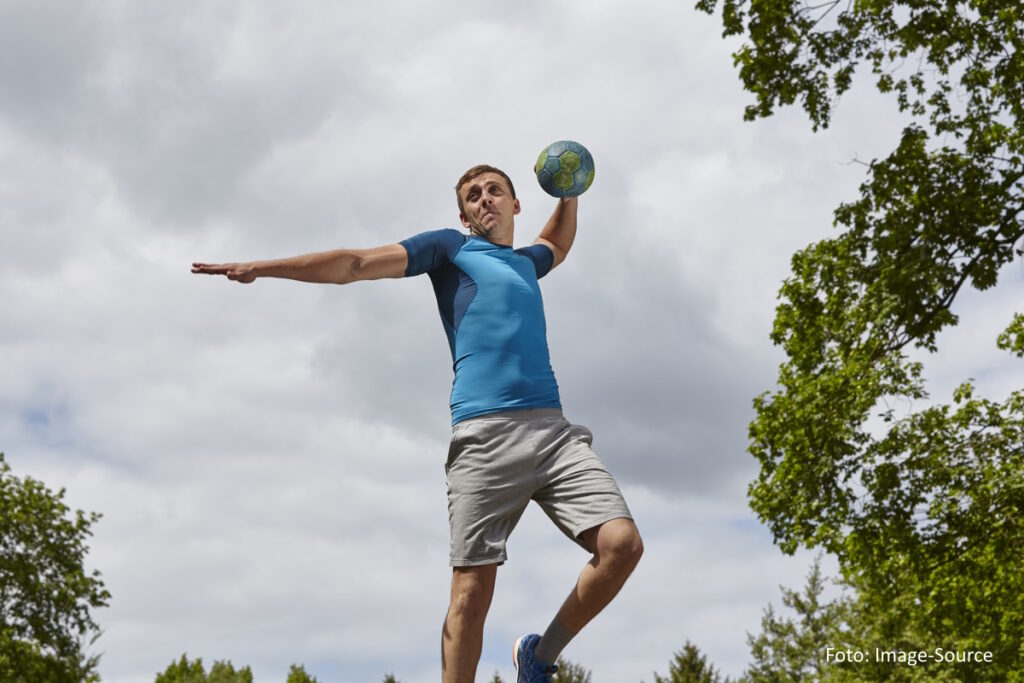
(498, 463)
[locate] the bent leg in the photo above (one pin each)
(617, 549)
(462, 635)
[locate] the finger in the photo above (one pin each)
(210, 269)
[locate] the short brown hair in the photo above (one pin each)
(479, 170)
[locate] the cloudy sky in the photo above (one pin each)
(269, 458)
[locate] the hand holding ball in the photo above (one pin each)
(564, 169)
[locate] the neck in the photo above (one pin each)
(501, 237)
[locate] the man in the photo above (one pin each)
(510, 443)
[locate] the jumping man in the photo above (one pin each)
(510, 442)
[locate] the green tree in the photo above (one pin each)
(922, 509)
(390, 678)
(790, 650)
(46, 595)
(185, 671)
(690, 666)
(297, 674)
(570, 672)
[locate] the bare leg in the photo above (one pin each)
(617, 548)
(463, 633)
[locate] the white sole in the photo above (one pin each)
(515, 654)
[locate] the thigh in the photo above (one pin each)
(578, 491)
(490, 481)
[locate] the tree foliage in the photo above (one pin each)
(297, 674)
(791, 650)
(570, 672)
(46, 595)
(186, 671)
(923, 509)
(690, 666)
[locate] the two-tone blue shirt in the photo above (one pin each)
(492, 312)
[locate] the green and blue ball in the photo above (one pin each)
(565, 169)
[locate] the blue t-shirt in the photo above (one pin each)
(492, 312)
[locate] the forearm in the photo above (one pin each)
(560, 229)
(338, 266)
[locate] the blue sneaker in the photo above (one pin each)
(528, 669)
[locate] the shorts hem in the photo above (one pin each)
(467, 562)
(598, 521)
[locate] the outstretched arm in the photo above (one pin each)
(338, 266)
(560, 231)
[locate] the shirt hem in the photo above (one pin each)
(504, 409)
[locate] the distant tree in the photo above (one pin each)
(690, 666)
(570, 672)
(224, 672)
(497, 678)
(390, 678)
(185, 671)
(45, 593)
(297, 674)
(788, 650)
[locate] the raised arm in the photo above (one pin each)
(560, 231)
(338, 266)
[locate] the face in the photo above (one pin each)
(488, 208)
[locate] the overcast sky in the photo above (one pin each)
(269, 458)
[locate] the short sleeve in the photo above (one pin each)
(541, 255)
(430, 250)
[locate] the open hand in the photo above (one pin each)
(239, 272)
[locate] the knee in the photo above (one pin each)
(632, 548)
(623, 547)
(467, 610)
(470, 600)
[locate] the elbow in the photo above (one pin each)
(352, 271)
(558, 255)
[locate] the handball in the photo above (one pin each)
(564, 169)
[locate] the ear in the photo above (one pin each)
(515, 207)
(465, 221)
